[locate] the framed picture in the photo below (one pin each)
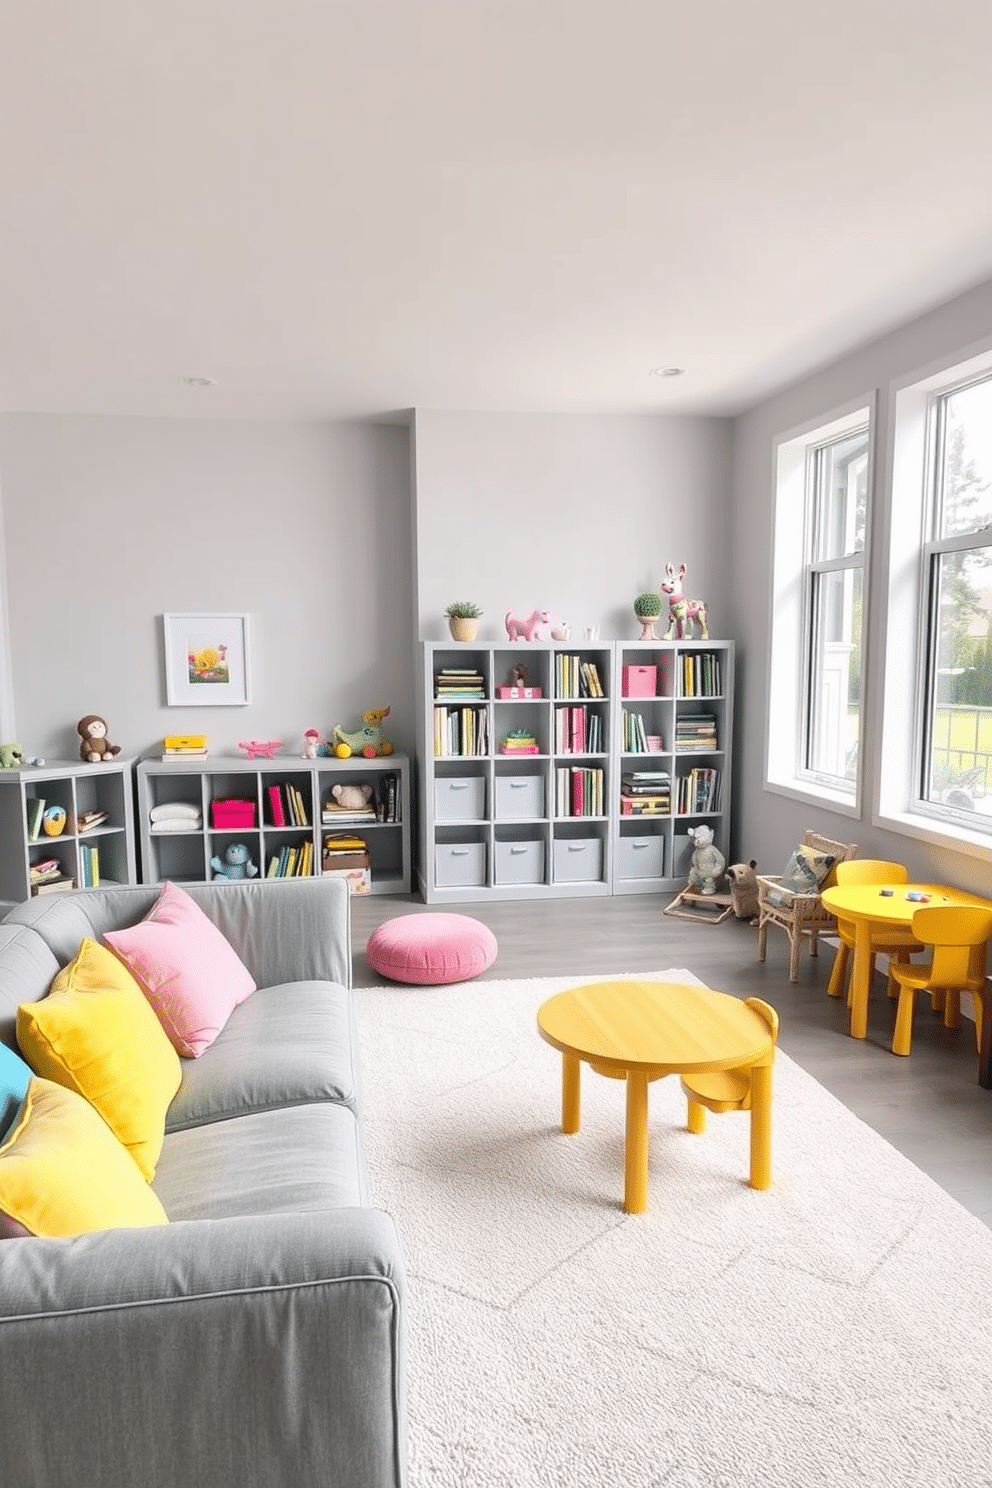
(206, 661)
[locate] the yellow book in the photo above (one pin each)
(186, 741)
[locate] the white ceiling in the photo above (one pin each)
(352, 207)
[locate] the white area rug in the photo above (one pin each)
(831, 1331)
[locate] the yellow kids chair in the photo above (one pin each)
(730, 1090)
(895, 943)
(954, 932)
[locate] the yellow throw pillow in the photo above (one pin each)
(63, 1172)
(96, 1034)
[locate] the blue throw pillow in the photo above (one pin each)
(14, 1077)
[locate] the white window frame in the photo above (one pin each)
(898, 805)
(790, 615)
(8, 726)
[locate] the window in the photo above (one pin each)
(818, 604)
(955, 764)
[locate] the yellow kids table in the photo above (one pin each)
(885, 905)
(642, 1031)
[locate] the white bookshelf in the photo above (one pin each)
(77, 788)
(494, 825)
(185, 856)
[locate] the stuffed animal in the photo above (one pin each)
(708, 862)
(238, 863)
(744, 889)
(11, 756)
(95, 745)
(369, 740)
(529, 629)
(353, 797)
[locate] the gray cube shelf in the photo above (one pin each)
(185, 855)
(667, 706)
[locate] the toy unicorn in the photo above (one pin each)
(681, 611)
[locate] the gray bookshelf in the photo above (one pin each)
(184, 856)
(512, 826)
(77, 788)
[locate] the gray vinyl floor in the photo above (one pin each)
(929, 1106)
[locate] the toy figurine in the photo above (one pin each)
(369, 740)
(744, 889)
(707, 863)
(312, 741)
(681, 611)
(238, 863)
(95, 745)
(260, 748)
(529, 629)
(11, 756)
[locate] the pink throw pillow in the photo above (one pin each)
(191, 975)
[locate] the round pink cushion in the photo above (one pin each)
(431, 948)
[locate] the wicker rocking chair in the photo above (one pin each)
(801, 914)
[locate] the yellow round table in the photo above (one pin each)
(867, 905)
(642, 1031)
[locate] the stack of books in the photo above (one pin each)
(48, 877)
(348, 858)
(87, 820)
(185, 746)
(645, 793)
(287, 806)
(695, 731)
(89, 862)
(459, 683)
(331, 814)
(576, 678)
(578, 731)
(519, 741)
(578, 791)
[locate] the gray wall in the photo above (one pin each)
(112, 522)
(575, 514)
(767, 825)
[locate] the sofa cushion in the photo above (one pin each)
(63, 1172)
(14, 1078)
(27, 967)
(298, 1160)
(96, 1034)
(284, 1046)
(191, 974)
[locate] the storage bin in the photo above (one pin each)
(640, 681)
(578, 859)
(641, 857)
(519, 862)
(459, 798)
(232, 816)
(519, 796)
(460, 865)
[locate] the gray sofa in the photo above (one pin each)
(257, 1339)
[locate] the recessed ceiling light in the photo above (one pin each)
(199, 381)
(667, 371)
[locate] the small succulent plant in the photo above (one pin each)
(463, 609)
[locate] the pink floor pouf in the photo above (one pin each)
(429, 949)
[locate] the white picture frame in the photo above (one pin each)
(207, 660)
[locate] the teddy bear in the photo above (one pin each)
(238, 864)
(352, 797)
(95, 746)
(707, 863)
(744, 889)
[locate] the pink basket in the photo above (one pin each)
(233, 815)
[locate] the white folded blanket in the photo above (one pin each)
(176, 824)
(176, 810)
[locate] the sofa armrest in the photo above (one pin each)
(243, 1352)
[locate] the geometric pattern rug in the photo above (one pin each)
(832, 1330)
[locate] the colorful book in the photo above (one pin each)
(35, 810)
(275, 801)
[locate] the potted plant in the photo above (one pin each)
(647, 608)
(463, 619)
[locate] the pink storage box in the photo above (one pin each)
(233, 815)
(640, 681)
